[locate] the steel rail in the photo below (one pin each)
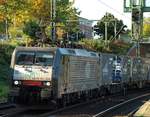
(118, 105)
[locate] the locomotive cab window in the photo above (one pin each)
(30, 58)
(44, 58)
(25, 58)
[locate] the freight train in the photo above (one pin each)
(75, 74)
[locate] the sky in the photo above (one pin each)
(96, 9)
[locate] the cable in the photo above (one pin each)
(117, 10)
(112, 9)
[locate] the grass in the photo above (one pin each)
(4, 89)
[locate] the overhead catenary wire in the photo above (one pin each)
(100, 1)
(103, 3)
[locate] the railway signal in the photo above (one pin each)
(136, 15)
(137, 24)
(136, 7)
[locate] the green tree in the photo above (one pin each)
(68, 15)
(17, 13)
(11, 9)
(110, 20)
(2, 27)
(41, 12)
(13, 12)
(65, 13)
(31, 28)
(146, 27)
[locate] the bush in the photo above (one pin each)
(6, 50)
(5, 59)
(116, 47)
(31, 28)
(4, 89)
(95, 45)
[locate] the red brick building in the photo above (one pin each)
(144, 50)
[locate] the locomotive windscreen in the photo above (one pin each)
(25, 58)
(36, 58)
(43, 58)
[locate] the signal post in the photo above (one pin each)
(136, 7)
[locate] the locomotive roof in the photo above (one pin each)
(77, 52)
(35, 49)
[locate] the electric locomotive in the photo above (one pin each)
(31, 73)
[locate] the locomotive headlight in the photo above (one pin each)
(139, 61)
(16, 82)
(110, 59)
(47, 83)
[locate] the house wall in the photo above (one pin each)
(144, 50)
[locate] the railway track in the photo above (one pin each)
(100, 107)
(6, 105)
(95, 108)
(10, 109)
(32, 111)
(19, 110)
(126, 108)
